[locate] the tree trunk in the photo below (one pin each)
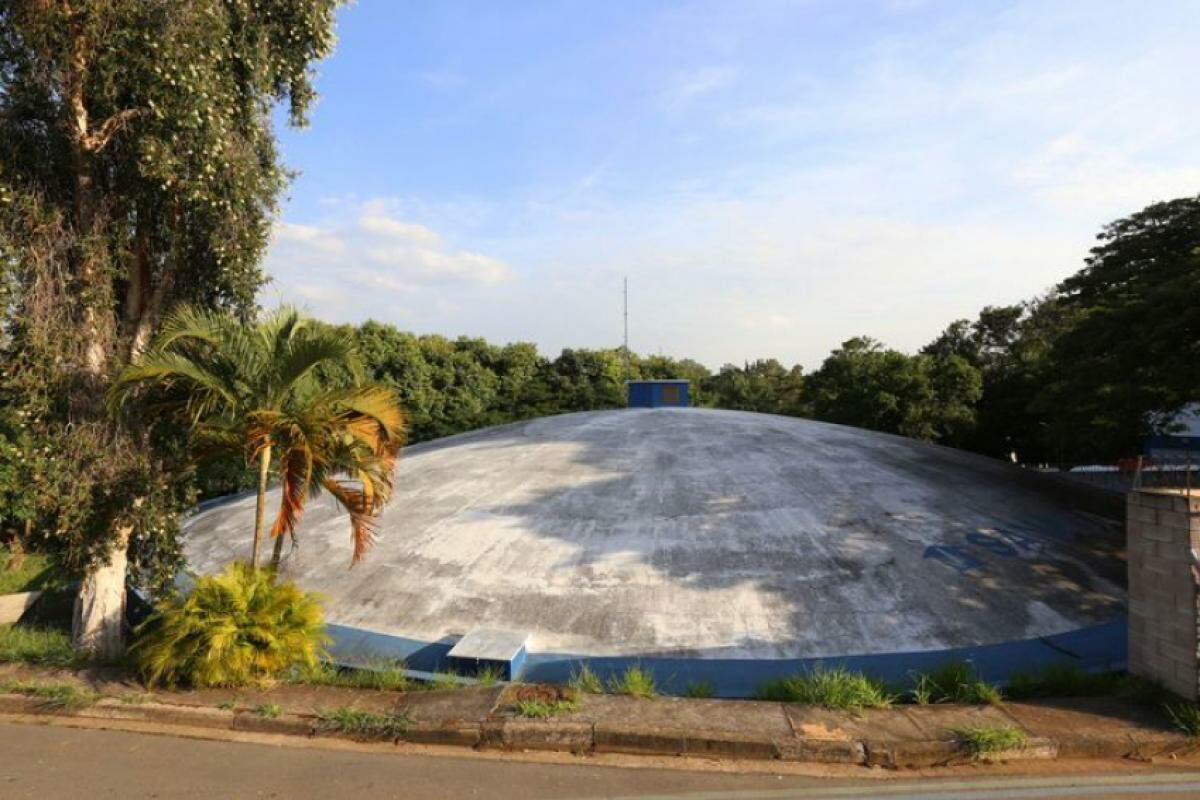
(277, 552)
(99, 616)
(260, 511)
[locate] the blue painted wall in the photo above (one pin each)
(649, 394)
(1095, 649)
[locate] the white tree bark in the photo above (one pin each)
(99, 613)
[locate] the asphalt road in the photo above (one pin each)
(49, 762)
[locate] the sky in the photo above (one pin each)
(773, 177)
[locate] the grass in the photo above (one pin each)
(488, 677)
(1186, 717)
(585, 681)
(58, 695)
(986, 741)
(46, 647)
(376, 673)
(443, 681)
(361, 724)
(541, 709)
(634, 681)
(1064, 680)
(268, 710)
(836, 688)
(38, 573)
(955, 682)
(700, 689)
(227, 705)
(136, 698)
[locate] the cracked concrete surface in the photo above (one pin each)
(695, 532)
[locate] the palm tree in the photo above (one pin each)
(268, 391)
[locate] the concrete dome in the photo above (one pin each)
(693, 533)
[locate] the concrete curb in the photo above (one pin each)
(581, 737)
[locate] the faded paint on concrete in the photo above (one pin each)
(692, 532)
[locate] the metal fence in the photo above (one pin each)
(1180, 470)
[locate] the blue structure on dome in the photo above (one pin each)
(659, 394)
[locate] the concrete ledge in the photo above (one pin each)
(882, 739)
(14, 606)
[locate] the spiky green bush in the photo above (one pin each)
(954, 682)
(831, 687)
(241, 627)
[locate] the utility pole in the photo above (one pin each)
(626, 320)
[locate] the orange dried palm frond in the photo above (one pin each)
(362, 516)
(295, 477)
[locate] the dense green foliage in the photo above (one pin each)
(138, 169)
(241, 627)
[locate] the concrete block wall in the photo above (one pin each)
(1163, 544)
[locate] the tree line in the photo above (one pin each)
(1080, 374)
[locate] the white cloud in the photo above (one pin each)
(699, 82)
(362, 261)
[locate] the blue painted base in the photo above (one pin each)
(1095, 649)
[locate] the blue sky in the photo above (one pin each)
(773, 177)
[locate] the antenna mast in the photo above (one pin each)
(626, 320)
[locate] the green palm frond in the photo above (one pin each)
(247, 388)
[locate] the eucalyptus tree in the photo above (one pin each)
(284, 393)
(138, 168)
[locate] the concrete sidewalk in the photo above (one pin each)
(486, 717)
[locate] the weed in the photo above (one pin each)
(954, 682)
(361, 724)
(374, 673)
(46, 647)
(987, 741)
(55, 695)
(835, 687)
(488, 677)
(700, 689)
(227, 705)
(268, 710)
(1065, 680)
(136, 698)
(443, 681)
(634, 681)
(541, 708)
(1186, 717)
(586, 681)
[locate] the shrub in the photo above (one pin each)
(586, 681)
(835, 687)
(985, 741)
(635, 682)
(47, 647)
(954, 682)
(237, 628)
